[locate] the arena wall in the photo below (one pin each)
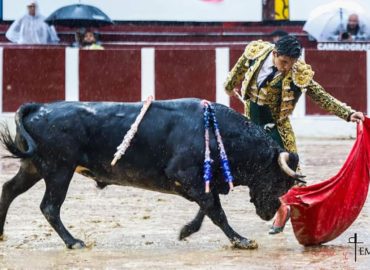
(46, 74)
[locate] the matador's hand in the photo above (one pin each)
(232, 93)
(357, 117)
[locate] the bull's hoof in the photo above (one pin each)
(245, 244)
(77, 245)
(185, 232)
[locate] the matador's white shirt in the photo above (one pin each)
(266, 69)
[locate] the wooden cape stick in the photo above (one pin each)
(239, 96)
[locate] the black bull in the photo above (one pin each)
(166, 155)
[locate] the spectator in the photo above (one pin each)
(278, 34)
(90, 42)
(31, 28)
(353, 31)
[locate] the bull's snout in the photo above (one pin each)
(265, 215)
(267, 209)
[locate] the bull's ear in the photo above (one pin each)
(293, 161)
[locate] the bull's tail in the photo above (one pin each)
(27, 148)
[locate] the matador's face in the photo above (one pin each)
(283, 63)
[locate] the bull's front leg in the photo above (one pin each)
(210, 204)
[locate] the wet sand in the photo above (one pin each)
(128, 228)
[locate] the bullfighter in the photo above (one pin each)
(274, 79)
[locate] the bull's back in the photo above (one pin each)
(90, 132)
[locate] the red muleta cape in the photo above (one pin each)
(321, 212)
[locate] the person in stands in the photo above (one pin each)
(278, 34)
(31, 28)
(352, 31)
(90, 42)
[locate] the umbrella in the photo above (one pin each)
(325, 19)
(79, 15)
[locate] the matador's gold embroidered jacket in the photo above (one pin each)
(282, 94)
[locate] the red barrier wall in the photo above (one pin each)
(343, 74)
(185, 73)
(36, 74)
(32, 75)
(110, 75)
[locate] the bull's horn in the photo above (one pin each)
(283, 163)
